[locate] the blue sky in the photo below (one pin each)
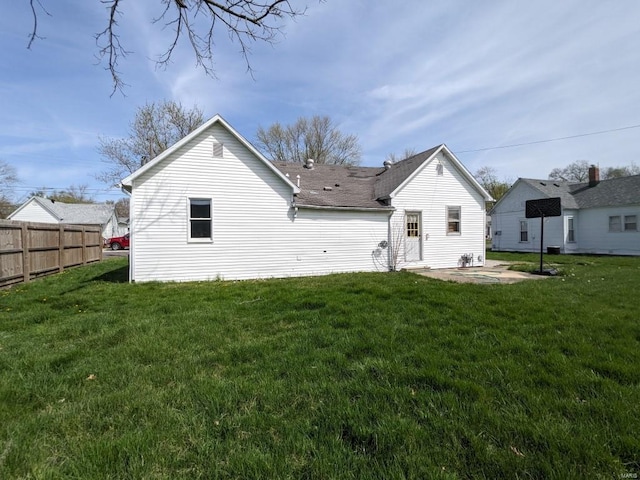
(410, 74)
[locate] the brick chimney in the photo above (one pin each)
(594, 176)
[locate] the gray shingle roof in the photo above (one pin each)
(613, 192)
(350, 187)
(399, 172)
(334, 185)
(78, 213)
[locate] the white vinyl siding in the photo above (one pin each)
(431, 194)
(34, 212)
(256, 232)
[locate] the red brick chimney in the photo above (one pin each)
(594, 176)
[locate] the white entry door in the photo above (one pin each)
(413, 237)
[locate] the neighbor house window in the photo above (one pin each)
(571, 233)
(615, 223)
(630, 223)
(453, 220)
(524, 231)
(200, 218)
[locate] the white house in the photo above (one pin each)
(599, 217)
(45, 210)
(211, 206)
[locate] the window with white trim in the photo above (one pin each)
(630, 223)
(454, 221)
(571, 232)
(200, 219)
(524, 231)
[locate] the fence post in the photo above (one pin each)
(84, 245)
(61, 248)
(26, 261)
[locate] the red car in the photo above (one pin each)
(118, 243)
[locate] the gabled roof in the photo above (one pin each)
(127, 182)
(73, 213)
(400, 172)
(337, 186)
(552, 188)
(613, 192)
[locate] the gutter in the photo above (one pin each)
(352, 209)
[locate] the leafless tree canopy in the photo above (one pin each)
(578, 172)
(245, 21)
(72, 194)
(317, 138)
(395, 157)
(8, 179)
(154, 129)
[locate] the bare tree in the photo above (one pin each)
(488, 178)
(576, 172)
(8, 179)
(154, 129)
(316, 137)
(393, 157)
(72, 194)
(245, 21)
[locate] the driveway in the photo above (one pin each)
(494, 272)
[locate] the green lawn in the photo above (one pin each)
(377, 376)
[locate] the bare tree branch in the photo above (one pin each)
(34, 32)
(246, 22)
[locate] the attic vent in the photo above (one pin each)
(328, 189)
(543, 184)
(217, 150)
(556, 185)
(439, 169)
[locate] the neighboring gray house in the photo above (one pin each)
(45, 210)
(599, 217)
(211, 206)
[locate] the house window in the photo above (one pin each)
(571, 232)
(453, 221)
(413, 225)
(630, 223)
(524, 231)
(200, 218)
(218, 150)
(615, 223)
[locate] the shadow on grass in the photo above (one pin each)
(118, 275)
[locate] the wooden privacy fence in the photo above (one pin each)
(31, 250)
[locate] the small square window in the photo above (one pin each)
(630, 223)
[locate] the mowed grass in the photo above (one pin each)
(377, 376)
